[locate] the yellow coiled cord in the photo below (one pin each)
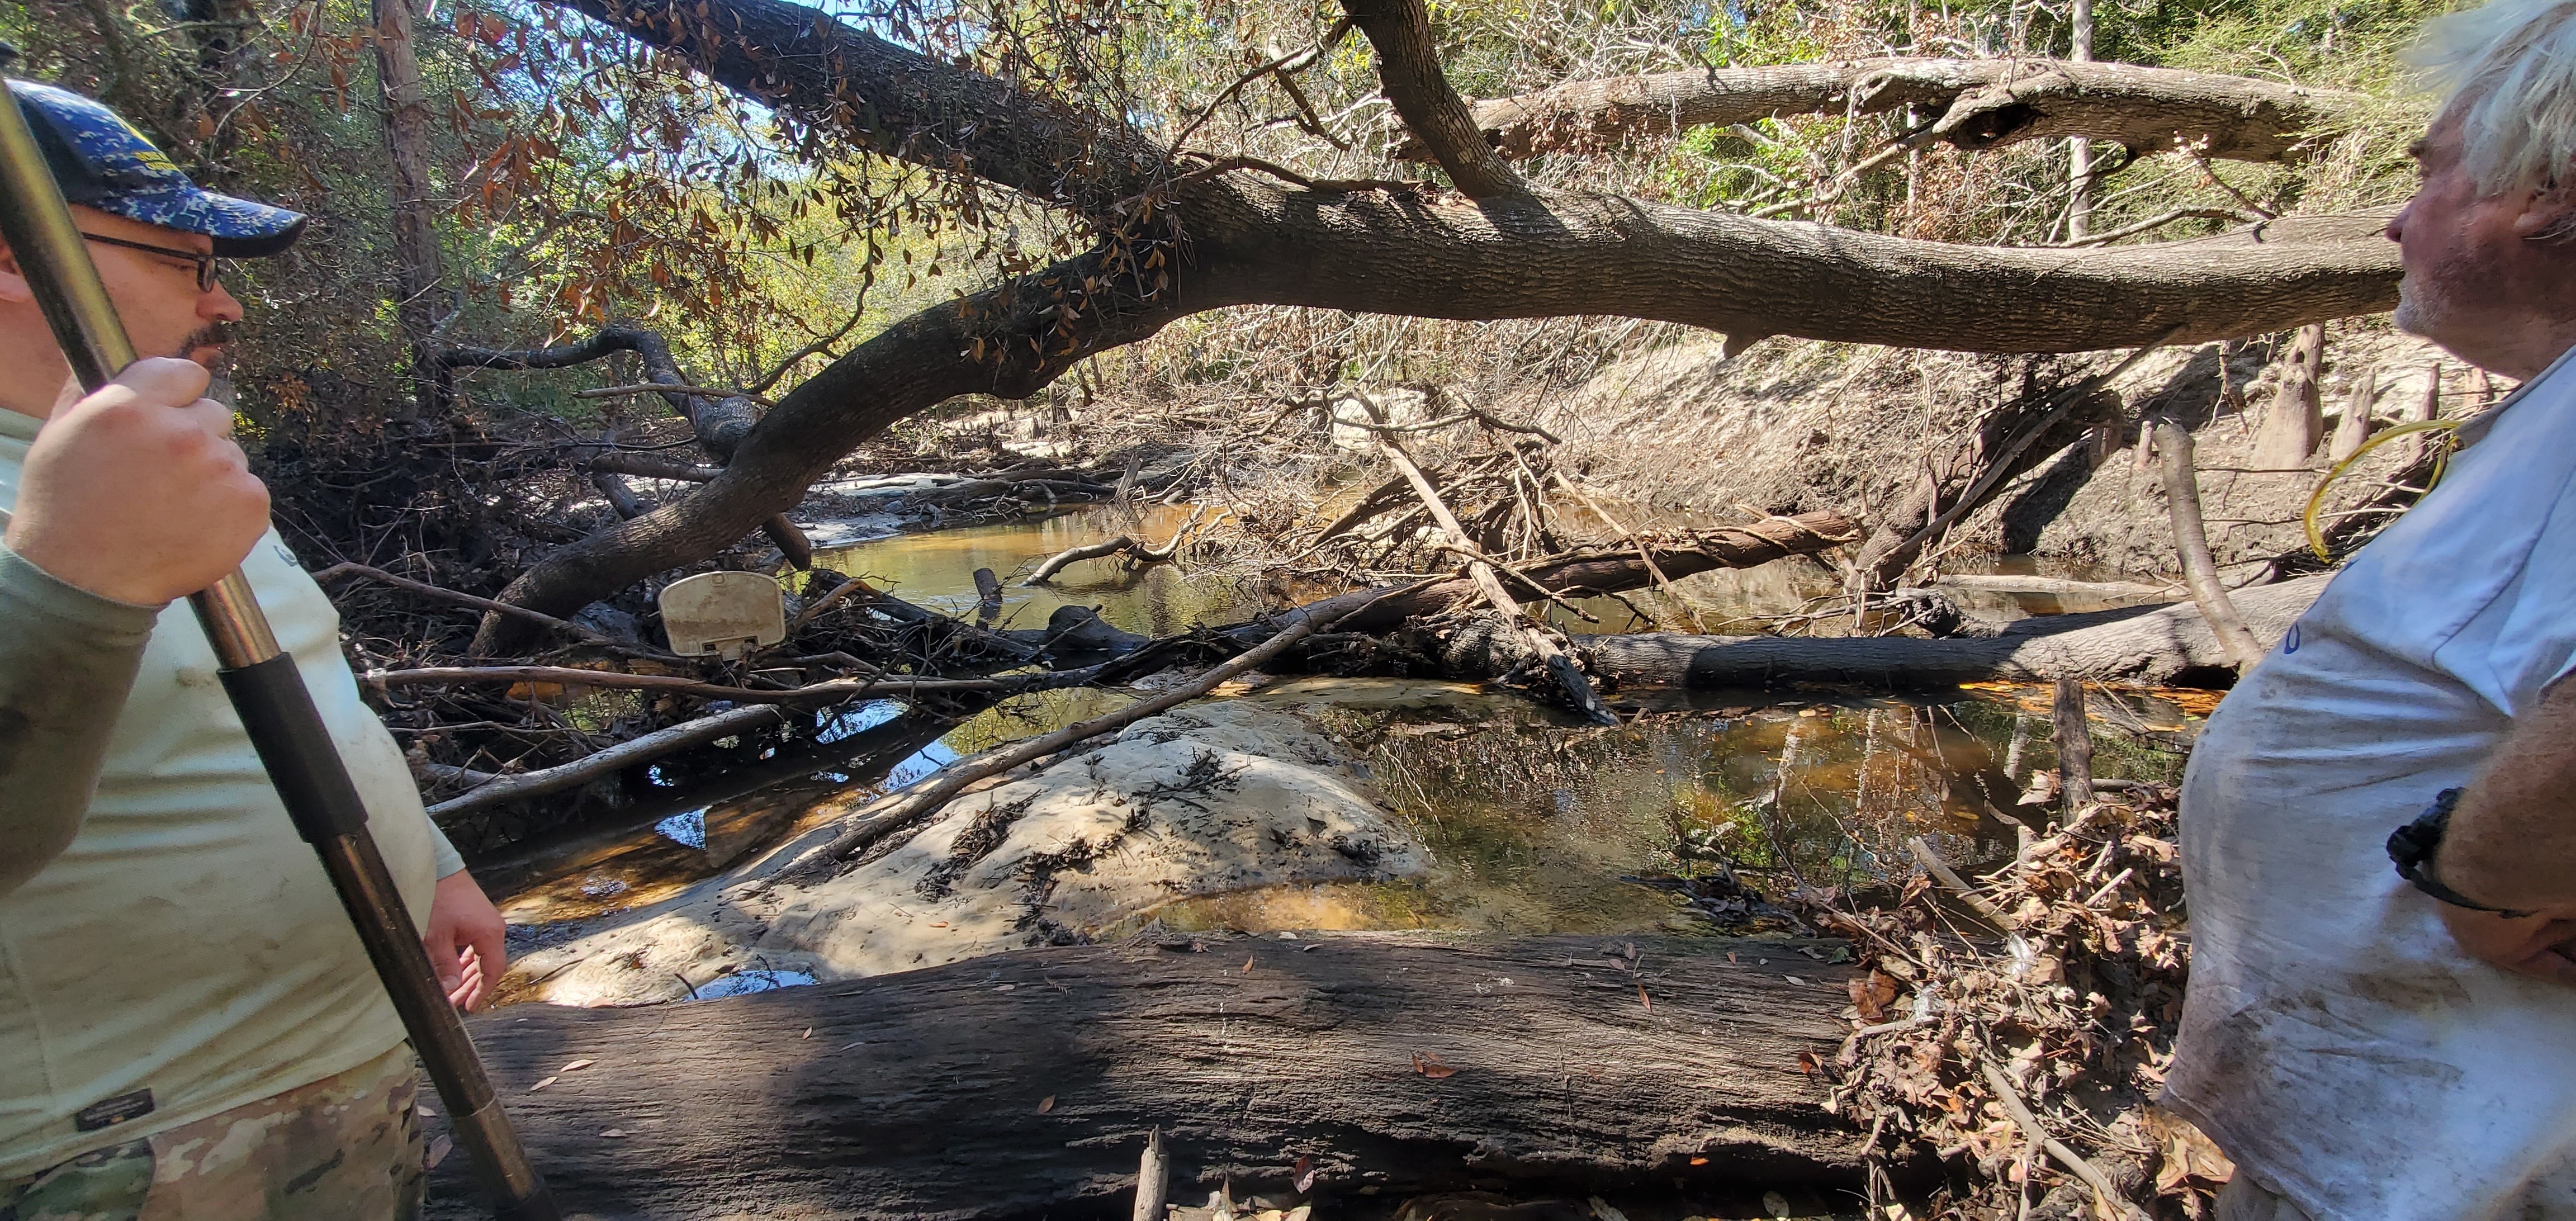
(2317, 499)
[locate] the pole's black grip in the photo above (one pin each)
(302, 761)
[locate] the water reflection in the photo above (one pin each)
(936, 570)
(1538, 826)
(1541, 827)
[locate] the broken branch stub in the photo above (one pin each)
(2191, 544)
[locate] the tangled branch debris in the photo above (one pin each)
(2029, 1066)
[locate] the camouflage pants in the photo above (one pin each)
(345, 1147)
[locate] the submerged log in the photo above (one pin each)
(1026, 1084)
(2146, 646)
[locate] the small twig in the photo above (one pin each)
(616, 758)
(822, 692)
(2108, 887)
(1941, 872)
(1291, 62)
(2155, 222)
(2105, 1192)
(465, 599)
(827, 602)
(2198, 151)
(712, 392)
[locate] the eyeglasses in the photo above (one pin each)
(205, 262)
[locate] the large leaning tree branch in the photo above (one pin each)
(1983, 103)
(1408, 65)
(841, 81)
(1178, 242)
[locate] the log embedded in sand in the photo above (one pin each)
(1026, 1083)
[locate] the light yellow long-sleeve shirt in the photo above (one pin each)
(186, 942)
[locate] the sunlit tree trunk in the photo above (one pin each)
(417, 272)
(2079, 151)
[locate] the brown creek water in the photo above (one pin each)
(1537, 824)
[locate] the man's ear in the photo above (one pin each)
(13, 282)
(2548, 215)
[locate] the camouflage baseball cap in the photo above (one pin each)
(103, 163)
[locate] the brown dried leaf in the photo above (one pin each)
(1046, 1104)
(1305, 1180)
(543, 1084)
(576, 1066)
(1429, 1065)
(1871, 994)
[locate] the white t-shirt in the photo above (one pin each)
(2336, 1041)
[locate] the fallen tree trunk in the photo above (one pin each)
(1996, 102)
(1025, 1084)
(1365, 247)
(1075, 555)
(2009, 583)
(2144, 646)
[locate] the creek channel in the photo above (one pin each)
(1533, 823)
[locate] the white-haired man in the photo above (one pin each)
(2400, 1045)
(188, 1025)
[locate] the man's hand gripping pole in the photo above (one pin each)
(270, 696)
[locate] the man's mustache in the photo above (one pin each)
(218, 335)
(212, 335)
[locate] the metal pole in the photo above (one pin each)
(275, 707)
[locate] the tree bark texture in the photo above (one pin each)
(1392, 250)
(1025, 1084)
(1408, 65)
(2140, 646)
(1984, 102)
(418, 270)
(2074, 740)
